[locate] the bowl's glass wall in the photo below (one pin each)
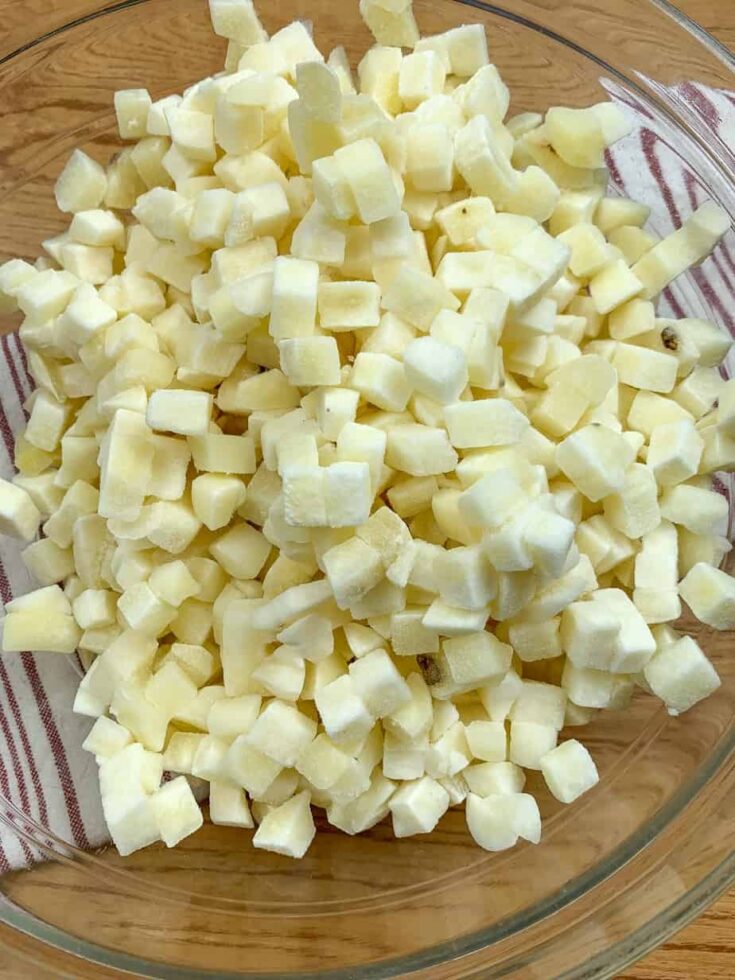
(615, 872)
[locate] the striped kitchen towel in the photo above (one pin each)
(48, 785)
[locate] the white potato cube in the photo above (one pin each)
(488, 740)
(352, 569)
(710, 594)
(681, 675)
(295, 288)
(436, 369)
(228, 806)
(381, 380)
(483, 165)
(258, 212)
(282, 733)
(319, 89)
(674, 452)
(589, 633)
(488, 422)
(569, 771)
(377, 682)
(394, 26)
(131, 108)
(176, 811)
(420, 450)
(417, 298)
(347, 306)
(332, 189)
(699, 510)
(310, 361)
(687, 246)
(634, 509)
(530, 742)
(281, 674)
(595, 459)
(589, 688)
(418, 806)
(370, 180)
(288, 829)
(614, 285)
(19, 516)
(430, 156)
(106, 738)
(497, 821)
(181, 411)
(348, 494)
(335, 408)
(242, 551)
(237, 21)
(82, 184)
(342, 711)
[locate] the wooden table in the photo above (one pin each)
(706, 948)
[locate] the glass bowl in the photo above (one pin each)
(616, 873)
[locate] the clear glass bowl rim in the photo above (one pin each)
(610, 961)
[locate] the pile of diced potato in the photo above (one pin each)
(363, 462)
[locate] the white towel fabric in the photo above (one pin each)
(45, 777)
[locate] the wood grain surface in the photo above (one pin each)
(706, 948)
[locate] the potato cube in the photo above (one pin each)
(241, 551)
(332, 189)
(417, 298)
(381, 380)
(348, 494)
(379, 685)
(82, 184)
(342, 711)
(530, 742)
(420, 450)
(46, 295)
(53, 632)
(319, 89)
(228, 806)
(595, 460)
(674, 452)
(481, 163)
(488, 740)
(640, 367)
(687, 246)
(634, 509)
(681, 675)
(345, 306)
(418, 806)
(19, 516)
(237, 21)
(220, 453)
(699, 510)
(181, 411)
(430, 156)
(352, 569)
(310, 361)
(391, 25)
(295, 286)
(710, 594)
(131, 108)
(282, 733)
(288, 829)
(370, 180)
(192, 132)
(488, 422)
(436, 369)
(569, 771)
(614, 285)
(215, 497)
(497, 821)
